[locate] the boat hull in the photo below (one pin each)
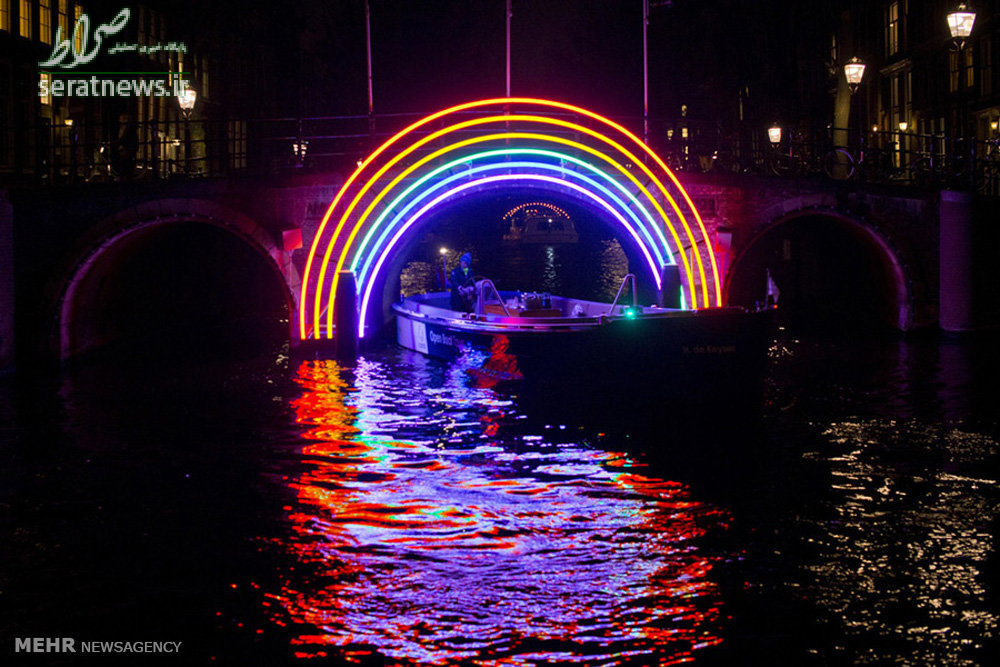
(688, 353)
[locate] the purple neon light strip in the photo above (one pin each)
(367, 287)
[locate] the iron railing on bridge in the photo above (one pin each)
(198, 148)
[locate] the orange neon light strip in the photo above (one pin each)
(358, 225)
(472, 105)
(472, 123)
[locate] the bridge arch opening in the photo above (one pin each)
(175, 287)
(834, 273)
(467, 213)
(591, 268)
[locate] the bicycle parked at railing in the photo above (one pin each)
(989, 168)
(795, 160)
(871, 164)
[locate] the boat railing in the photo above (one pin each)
(481, 287)
(625, 281)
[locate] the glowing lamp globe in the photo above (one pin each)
(854, 71)
(960, 22)
(186, 99)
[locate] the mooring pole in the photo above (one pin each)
(509, 14)
(645, 72)
(670, 286)
(345, 316)
(368, 52)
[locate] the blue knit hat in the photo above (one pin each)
(467, 258)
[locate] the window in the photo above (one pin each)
(6, 130)
(64, 18)
(986, 68)
(204, 76)
(45, 21)
(237, 144)
(892, 29)
(78, 42)
(5, 15)
(25, 15)
(46, 81)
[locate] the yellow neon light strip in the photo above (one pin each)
(472, 105)
(472, 123)
(513, 135)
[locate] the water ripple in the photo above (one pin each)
(429, 528)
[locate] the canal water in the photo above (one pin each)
(266, 509)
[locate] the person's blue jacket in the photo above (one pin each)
(460, 275)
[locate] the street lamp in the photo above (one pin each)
(185, 100)
(854, 71)
(299, 149)
(774, 135)
(960, 22)
(903, 125)
(444, 266)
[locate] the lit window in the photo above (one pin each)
(64, 18)
(78, 42)
(5, 15)
(892, 29)
(45, 21)
(46, 79)
(204, 76)
(26, 18)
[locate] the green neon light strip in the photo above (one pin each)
(504, 152)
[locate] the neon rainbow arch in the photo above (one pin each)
(529, 143)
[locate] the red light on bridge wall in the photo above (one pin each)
(291, 239)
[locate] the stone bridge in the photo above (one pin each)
(62, 251)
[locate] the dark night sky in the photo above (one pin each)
(434, 53)
(431, 54)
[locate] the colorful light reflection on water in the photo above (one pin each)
(431, 526)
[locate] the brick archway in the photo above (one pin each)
(894, 267)
(115, 234)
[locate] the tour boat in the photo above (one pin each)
(511, 336)
(543, 230)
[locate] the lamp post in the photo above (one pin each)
(72, 148)
(840, 168)
(903, 126)
(960, 23)
(185, 100)
(444, 267)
